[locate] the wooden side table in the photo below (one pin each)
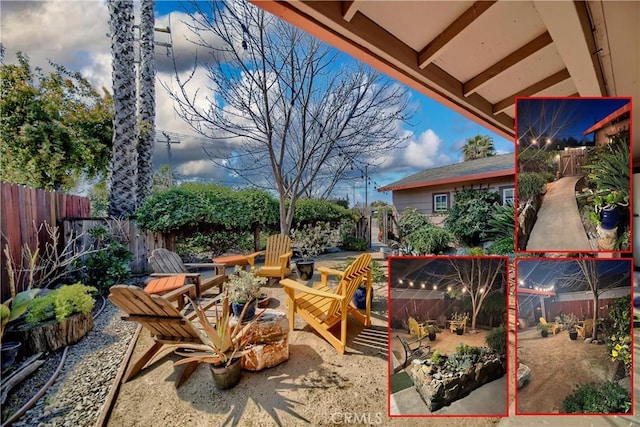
(172, 287)
(230, 261)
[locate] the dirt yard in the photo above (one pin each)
(557, 366)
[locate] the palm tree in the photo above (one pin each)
(124, 162)
(478, 147)
(146, 104)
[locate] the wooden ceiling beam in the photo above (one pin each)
(535, 88)
(440, 43)
(507, 62)
(349, 9)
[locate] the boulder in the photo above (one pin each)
(524, 373)
(264, 356)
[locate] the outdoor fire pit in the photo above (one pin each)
(444, 379)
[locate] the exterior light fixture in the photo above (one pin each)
(449, 288)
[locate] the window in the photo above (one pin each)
(440, 202)
(508, 195)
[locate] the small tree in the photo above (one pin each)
(478, 278)
(478, 147)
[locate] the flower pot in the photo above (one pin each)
(459, 331)
(609, 217)
(359, 298)
(226, 377)
(9, 352)
(544, 333)
(305, 269)
(573, 335)
(237, 308)
(263, 300)
(432, 336)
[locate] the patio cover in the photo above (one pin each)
(476, 57)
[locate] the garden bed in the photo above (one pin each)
(445, 379)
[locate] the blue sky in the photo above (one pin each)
(437, 133)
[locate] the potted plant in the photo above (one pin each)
(360, 297)
(569, 322)
(243, 287)
(544, 329)
(432, 330)
(459, 320)
(309, 241)
(223, 343)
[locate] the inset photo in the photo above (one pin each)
(448, 352)
(573, 174)
(574, 342)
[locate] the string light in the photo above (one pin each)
(435, 287)
(411, 283)
(449, 288)
(422, 285)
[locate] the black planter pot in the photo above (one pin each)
(237, 308)
(459, 331)
(432, 336)
(9, 352)
(573, 335)
(305, 269)
(544, 333)
(226, 377)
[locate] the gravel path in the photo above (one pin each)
(77, 396)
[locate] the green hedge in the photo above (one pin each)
(530, 184)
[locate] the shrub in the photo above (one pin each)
(313, 211)
(502, 221)
(61, 303)
(107, 267)
(606, 398)
(530, 184)
(430, 239)
(410, 221)
(497, 339)
(469, 214)
(350, 243)
(436, 358)
(503, 246)
(535, 161)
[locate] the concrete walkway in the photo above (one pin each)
(558, 226)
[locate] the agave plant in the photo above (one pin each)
(222, 341)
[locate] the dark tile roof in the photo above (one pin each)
(501, 165)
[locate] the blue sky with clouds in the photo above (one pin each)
(437, 133)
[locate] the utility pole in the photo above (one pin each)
(169, 142)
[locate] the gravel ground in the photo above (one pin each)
(77, 396)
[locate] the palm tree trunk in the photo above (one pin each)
(122, 200)
(146, 104)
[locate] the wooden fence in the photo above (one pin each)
(139, 243)
(22, 212)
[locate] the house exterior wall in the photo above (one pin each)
(423, 198)
(602, 135)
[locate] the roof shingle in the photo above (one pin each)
(487, 167)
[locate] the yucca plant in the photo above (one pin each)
(222, 342)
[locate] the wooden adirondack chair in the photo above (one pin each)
(553, 326)
(586, 330)
(167, 263)
(169, 328)
(416, 329)
(420, 352)
(277, 262)
(323, 307)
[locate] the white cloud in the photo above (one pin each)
(425, 151)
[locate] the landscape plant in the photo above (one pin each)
(61, 303)
(468, 216)
(497, 340)
(310, 241)
(242, 286)
(592, 398)
(530, 185)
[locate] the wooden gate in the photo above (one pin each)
(571, 161)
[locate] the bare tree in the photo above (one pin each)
(478, 278)
(293, 118)
(147, 102)
(598, 276)
(122, 199)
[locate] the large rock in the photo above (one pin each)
(526, 219)
(524, 373)
(264, 356)
(270, 341)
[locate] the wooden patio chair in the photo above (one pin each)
(168, 326)
(324, 308)
(167, 263)
(416, 329)
(586, 330)
(454, 325)
(553, 326)
(419, 353)
(277, 258)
